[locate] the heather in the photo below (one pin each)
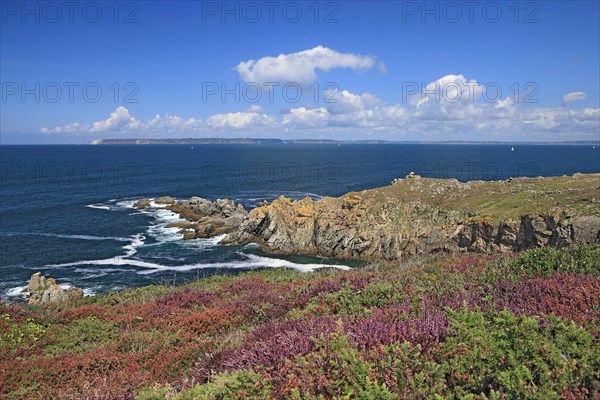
(523, 326)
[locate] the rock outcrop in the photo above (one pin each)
(422, 216)
(203, 218)
(43, 291)
(142, 203)
(165, 200)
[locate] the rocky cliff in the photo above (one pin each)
(420, 216)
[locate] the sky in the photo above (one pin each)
(73, 72)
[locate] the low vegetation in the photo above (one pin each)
(451, 327)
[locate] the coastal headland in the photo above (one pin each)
(412, 216)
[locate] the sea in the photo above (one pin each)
(67, 211)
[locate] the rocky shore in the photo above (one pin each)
(203, 218)
(413, 215)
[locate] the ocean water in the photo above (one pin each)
(67, 210)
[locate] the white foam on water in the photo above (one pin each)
(124, 204)
(79, 237)
(252, 262)
(98, 270)
(112, 205)
(162, 217)
(131, 248)
(279, 263)
(203, 243)
(16, 291)
(99, 206)
(87, 237)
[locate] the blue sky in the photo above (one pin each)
(395, 70)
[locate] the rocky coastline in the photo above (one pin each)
(412, 216)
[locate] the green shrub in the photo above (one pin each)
(227, 386)
(81, 335)
(335, 370)
(493, 352)
(20, 335)
(547, 261)
(411, 374)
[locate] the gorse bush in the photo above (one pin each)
(547, 261)
(227, 386)
(455, 327)
(19, 332)
(490, 354)
(337, 371)
(81, 335)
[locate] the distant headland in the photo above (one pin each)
(192, 141)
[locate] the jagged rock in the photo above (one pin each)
(412, 216)
(165, 200)
(204, 218)
(142, 203)
(422, 215)
(43, 291)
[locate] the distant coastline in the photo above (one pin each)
(192, 141)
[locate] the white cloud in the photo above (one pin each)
(345, 102)
(253, 118)
(574, 96)
(303, 117)
(118, 120)
(345, 113)
(300, 67)
(121, 122)
(449, 89)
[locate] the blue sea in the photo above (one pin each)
(67, 210)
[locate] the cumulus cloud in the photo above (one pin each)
(344, 102)
(303, 117)
(300, 67)
(253, 118)
(121, 122)
(449, 106)
(449, 89)
(343, 112)
(574, 96)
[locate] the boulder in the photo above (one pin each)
(141, 204)
(165, 200)
(43, 291)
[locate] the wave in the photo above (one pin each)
(114, 204)
(252, 261)
(99, 206)
(203, 243)
(66, 236)
(16, 291)
(131, 248)
(93, 273)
